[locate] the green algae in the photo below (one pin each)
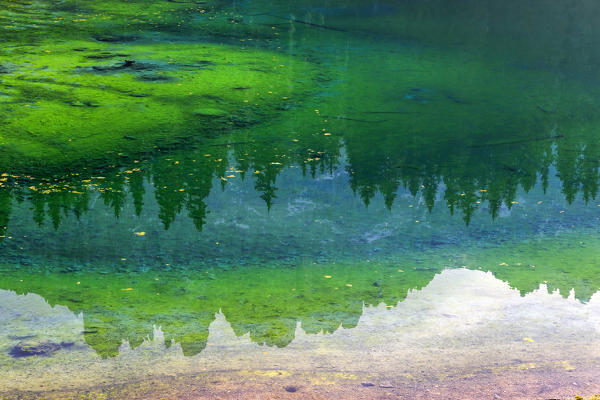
(567, 265)
(63, 100)
(90, 80)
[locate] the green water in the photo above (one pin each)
(289, 167)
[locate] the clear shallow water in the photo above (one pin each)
(298, 200)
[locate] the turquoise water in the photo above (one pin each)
(317, 199)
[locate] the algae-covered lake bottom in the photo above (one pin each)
(341, 199)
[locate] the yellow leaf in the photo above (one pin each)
(327, 277)
(139, 233)
(127, 289)
(528, 339)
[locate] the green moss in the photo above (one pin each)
(66, 104)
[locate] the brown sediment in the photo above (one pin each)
(551, 383)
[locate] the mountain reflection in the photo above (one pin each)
(265, 302)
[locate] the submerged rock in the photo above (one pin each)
(210, 112)
(155, 78)
(126, 65)
(115, 38)
(28, 349)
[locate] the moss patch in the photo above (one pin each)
(70, 101)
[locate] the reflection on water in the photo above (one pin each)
(481, 324)
(382, 187)
(268, 301)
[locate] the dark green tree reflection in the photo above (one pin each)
(465, 178)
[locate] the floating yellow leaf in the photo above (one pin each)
(139, 233)
(528, 339)
(127, 289)
(327, 277)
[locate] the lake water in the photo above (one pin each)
(318, 199)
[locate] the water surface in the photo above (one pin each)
(316, 199)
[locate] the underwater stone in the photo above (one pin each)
(210, 112)
(154, 78)
(105, 55)
(126, 65)
(28, 349)
(115, 38)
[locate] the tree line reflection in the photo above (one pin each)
(462, 176)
